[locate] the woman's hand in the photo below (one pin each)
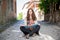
(31, 22)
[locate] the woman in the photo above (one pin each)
(32, 26)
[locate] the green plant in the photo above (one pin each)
(45, 4)
(20, 16)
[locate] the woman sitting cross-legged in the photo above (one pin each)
(32, 27)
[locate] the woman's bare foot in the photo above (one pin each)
(34, 34)
(27, 36)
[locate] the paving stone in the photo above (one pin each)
(47, 32)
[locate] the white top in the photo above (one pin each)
(35, 22)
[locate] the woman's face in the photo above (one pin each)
(30, 12)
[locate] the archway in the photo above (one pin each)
(23, 6)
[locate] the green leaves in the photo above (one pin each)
(45, 4)
(20, 16)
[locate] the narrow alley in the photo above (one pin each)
(47, 32)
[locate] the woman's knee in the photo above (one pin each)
(21, 27)
(38, 26)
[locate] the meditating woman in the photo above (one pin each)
(32, 26)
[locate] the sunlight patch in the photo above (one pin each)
(41, 37)
(16, 31)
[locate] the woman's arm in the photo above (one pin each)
(26, 21)
(36, 22)
(30, 23)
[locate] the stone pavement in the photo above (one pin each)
(47, 32)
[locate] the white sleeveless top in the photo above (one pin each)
(35, 22)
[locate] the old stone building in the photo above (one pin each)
(7, 11)
(34, 4)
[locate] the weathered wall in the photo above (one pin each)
(7, 11)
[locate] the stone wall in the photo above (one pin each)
(7, 11)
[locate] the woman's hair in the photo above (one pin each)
(33, 15)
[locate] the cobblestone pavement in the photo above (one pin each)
(47, 32)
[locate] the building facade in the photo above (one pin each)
(7, 11)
